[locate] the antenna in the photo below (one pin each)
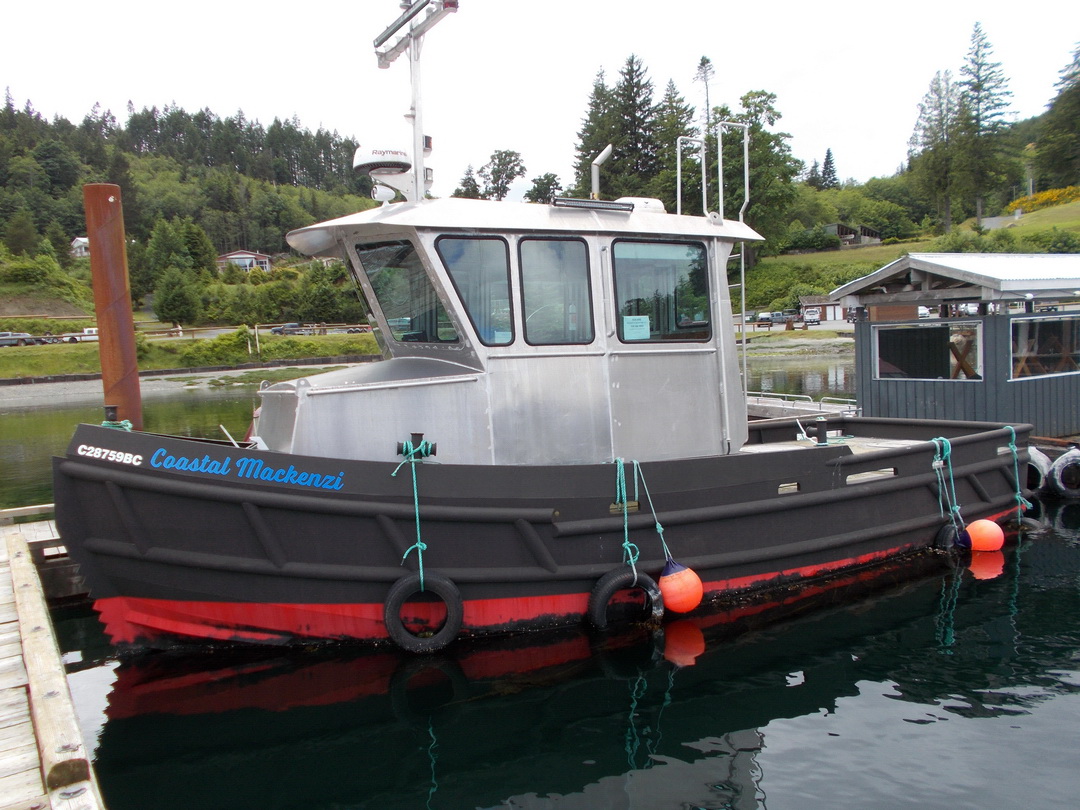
(411, 41)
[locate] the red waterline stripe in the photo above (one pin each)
(131, 619)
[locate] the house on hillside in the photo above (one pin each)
(1002, 343)
(853, 235)
(246, 260)
(80, 247)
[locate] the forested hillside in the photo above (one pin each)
(195, 185)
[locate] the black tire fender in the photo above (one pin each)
(399, 594)
(946, 537)
(621, 579)
(1064, 475)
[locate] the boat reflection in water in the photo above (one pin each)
(678, 716)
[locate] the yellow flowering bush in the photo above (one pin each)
(1045, 199)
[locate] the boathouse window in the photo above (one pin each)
(405, 294)
(480, 271)
(940, 352)
(661, 290)
(1042, 346)
(556, 305)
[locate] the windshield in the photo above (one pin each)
(404, 293)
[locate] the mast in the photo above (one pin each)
(412, 41)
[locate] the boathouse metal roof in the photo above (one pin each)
(485, 216)
(949, 277)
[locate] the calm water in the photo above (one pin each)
(942, 690)
(947, 691)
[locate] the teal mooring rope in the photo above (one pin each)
(1022, 503)
(631, 552)
(946, 485)
(412, 454)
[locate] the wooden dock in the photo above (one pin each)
(44, 763)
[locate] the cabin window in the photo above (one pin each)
(480, 270)
(1042, 346)
(555, 301)
(412, 309)
(661, 290)
(947, 351)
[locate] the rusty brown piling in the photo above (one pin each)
(112, 301)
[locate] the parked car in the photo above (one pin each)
(764, 317)
(290, 329)
(812, 316)
(17, 339)
(399, 323)
(924, 312)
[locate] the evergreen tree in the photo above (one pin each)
(984, 97)
(813, 177)
(61, 245)
(468, 188)
(932, 149)
(704, 74)
(828, 172)
(176, 299)
(20, 234)
(597, 131)
(636, 157)
(1057, 157)
(199, 248)
(674, 119)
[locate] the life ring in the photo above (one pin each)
(399, 594)
(1064, 475)
(621, 579)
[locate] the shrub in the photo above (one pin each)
(1045, 199)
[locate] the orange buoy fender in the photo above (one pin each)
(987, 564)
(683, 643)
(681, 587)
(985, 535)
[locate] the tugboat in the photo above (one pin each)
(557, 434)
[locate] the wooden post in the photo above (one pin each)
(112, 301)
(60, 744)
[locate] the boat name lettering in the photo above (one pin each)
(161, 458)
(255, 468)
(90, 451)
(249, 467)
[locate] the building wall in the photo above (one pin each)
(1049, 403)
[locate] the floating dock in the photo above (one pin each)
(44, 764)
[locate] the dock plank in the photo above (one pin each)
(43, 762)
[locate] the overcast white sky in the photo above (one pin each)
(512, 74)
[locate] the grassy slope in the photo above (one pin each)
(1066, 217)
(82, 358)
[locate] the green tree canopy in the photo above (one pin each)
(498, 173)
(176, 299)
(544, 189)
(981, 126)
(1057, 158)
(468, 187)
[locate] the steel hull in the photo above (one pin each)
(180, 538)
